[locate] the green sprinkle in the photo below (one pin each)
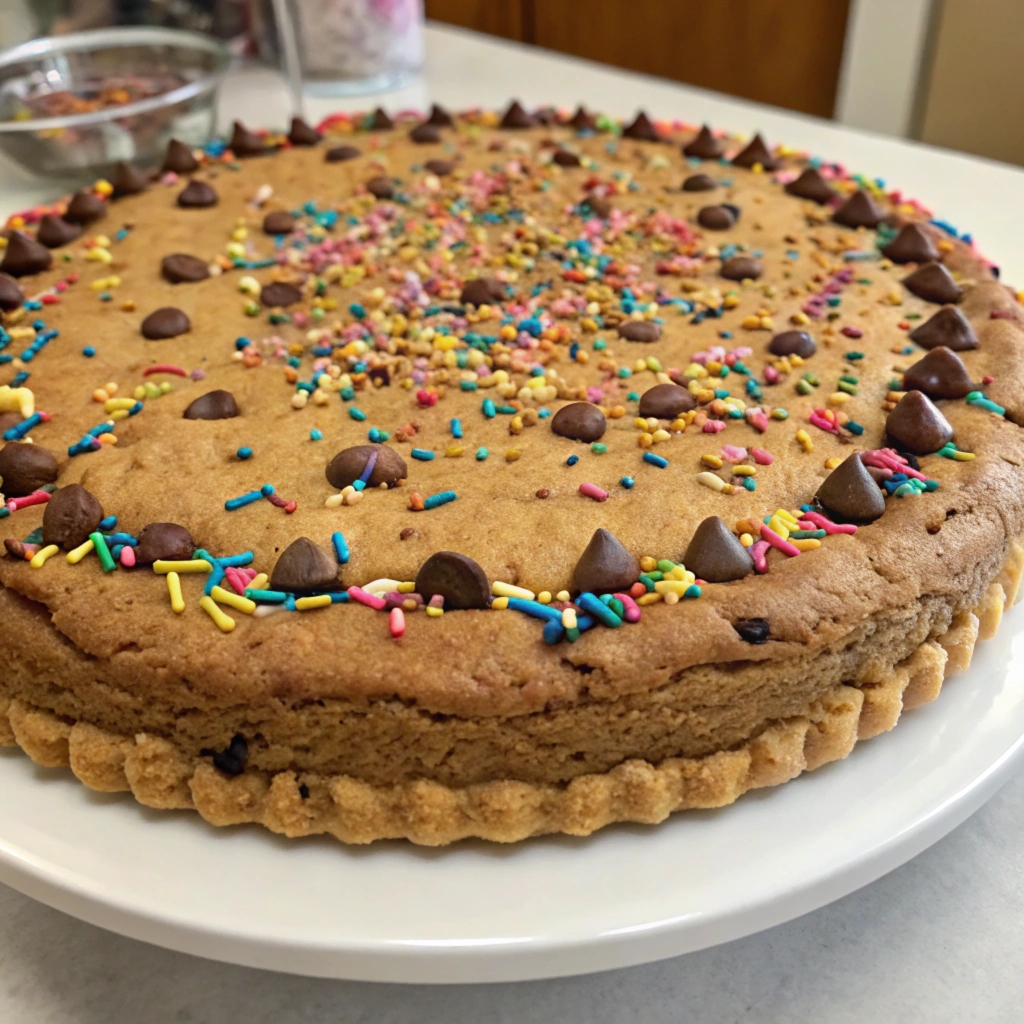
(356, 414)
(780, 414)
(481, 454)
(803, 387)
(666, 565)
(598, 449)
(100, 544)
(600, 344)
(852, 357)
(845, 385)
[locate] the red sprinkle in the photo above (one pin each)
(35, 498)
(164, 368)
(852, 332)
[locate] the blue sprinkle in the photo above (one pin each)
(443, 498)
(240, 502)
(456, 427)
(627, 482)
(316, 435)
(88, 351)
(535, 608)
(108, 523)
(572, 460)
(592, 604)
(655, 460)
(266, 490)
(340, 547)
(244, 453)
(422, 454)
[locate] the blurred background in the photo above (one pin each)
(940, 71)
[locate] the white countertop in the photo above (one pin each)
(940, 939)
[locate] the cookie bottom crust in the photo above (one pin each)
(429, 813)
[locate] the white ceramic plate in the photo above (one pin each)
(555, 906)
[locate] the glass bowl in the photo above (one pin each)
(72, 106)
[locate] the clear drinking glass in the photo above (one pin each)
(347, 47)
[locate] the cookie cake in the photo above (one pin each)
(492, 475)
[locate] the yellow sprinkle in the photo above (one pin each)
(838, 398)
(97, 254)
(648, 564)
(786, 516)
(562, 595)
(711, 460)
(236, 601)
(39, 559)
(335, 500)
(304, 604)
(670, 587)
(544, 597)
(113, 404)
(407, 587)
(780, 526)
(512, 454)
(75, 556)
(500, 604)
(806, 544)
(744, 470)
(174, 589)
(660, 435)
(569, 618)
(500, 589)
(833, 462)
(260, 582)
(224, 622)
(963, 456)
(434, 613)
(453, 451)
(805, 440)
(716, 483)
(195, 565)
(652, 598)
(746, 540)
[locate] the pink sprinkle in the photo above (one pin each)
(852, 332)
(887, 458)
(758, 552)
(370, 600)
(713, 427)
(776, 541)
(819, 421)
(761, 457)
(631, 611)
(595, 395)
(757, 418)
(35, 498)
(236, 579)
(771, 375)
(819, 521)
(593, 491)
(128, 556)
(987, 379)
(164, 368)
(396, 623)
(732, 453)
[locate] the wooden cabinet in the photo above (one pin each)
(783, 52)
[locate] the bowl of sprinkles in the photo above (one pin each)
(72, 106)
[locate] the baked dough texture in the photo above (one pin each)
(470, 724)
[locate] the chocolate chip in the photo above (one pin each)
(179, 158)
(54, 231)
(666, 401)
(350, 464)
(11, 295)
(715, 554)
(440, 117)
(639, 330)
(24, 256)
(754, 631)
(197, 195)
(755, 152)
(811, 185)
(605, 566)
(441, 168)
(408, 532)
(245, 143)
(642, 129)
(580, 421)
(543, 493)
(859, 211)
(84, 208)
(947, 327)
(741, 268)
(381, 187)
(939, 374)
(793, 343)
(25, 468)
(917, 425)
(716, 218)
(699, 183)
(280, 293)
(516, 117)
(565, 158)
(165, 322)
(380, 122)
(933, 283)
(279, 222)
(600, 206)
(302, 134)
(582, 120)
(179, 267)
(425, 133)
(230, 761)
(482, 291)
(214, 405)
(704, 145)
(339, 154)
(128, 180)
(458, 579)
(851, 493)
(71, 514)
(305, 568)
(164, 541)
(913, 244)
